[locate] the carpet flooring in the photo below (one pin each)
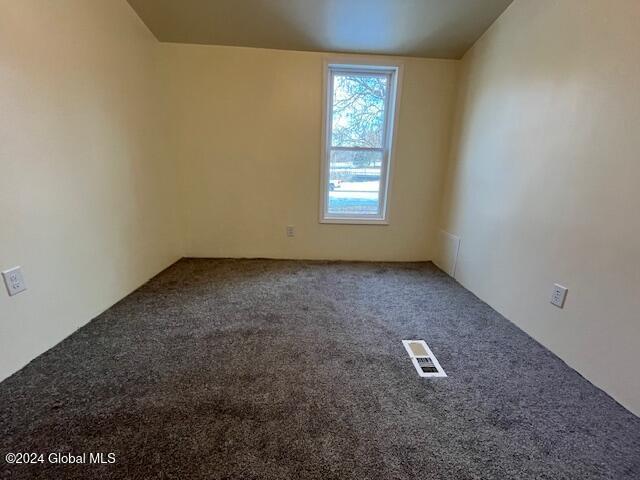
(259, 369)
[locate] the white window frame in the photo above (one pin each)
(394, 70)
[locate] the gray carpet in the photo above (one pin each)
(257, 369)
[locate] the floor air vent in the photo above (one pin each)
(423, 359)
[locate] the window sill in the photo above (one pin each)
(355, 221)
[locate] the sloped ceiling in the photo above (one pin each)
(422, 28)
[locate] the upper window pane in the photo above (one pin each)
(358, 109)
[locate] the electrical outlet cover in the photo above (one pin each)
(14, 280)
(559, 295)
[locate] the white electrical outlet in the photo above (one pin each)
(291, 231)
(559, 295)
(14, 281)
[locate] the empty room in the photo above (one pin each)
(320, 239)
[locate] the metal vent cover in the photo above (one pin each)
(423, 359)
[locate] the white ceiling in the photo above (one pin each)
(423, 28)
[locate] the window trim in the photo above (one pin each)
(361, 65)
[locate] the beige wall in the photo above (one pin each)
(86, 202)
(544, 184)
(246, 129)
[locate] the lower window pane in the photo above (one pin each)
(354, 182)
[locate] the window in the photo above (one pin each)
(359, 118)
